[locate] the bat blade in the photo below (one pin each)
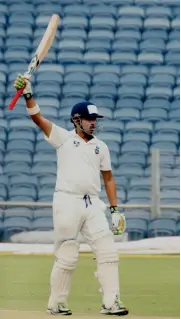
(40, 53)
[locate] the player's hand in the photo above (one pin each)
(22, 82)
(118, 221)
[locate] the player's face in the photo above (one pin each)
(89, 125)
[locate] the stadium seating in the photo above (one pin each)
(122, 55)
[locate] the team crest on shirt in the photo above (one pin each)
(76, 143)
(97, 149)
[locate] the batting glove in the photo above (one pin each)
(22, 82)
(118, 221)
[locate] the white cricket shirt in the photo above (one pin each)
(78, 162)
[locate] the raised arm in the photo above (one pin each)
(32, 107)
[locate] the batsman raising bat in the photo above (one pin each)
(81, 156)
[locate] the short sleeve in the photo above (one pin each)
(105, 159)
(57, 137)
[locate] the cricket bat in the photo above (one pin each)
(40, 53)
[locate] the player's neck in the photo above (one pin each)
(86, 137)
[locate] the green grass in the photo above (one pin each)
(149, 286)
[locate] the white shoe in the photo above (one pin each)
(60, 309)
(117, 309)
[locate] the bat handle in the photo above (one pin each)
(15, 99)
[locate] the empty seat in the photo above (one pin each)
(158, 11)
(41, 169)
(159, 92)
(42, 224)
(96, 57)
(150, 58)
(103, 90)
(157, 103)
(11, 169)
(131, 91)
(134, 23)
(107, 22)
(173, 46)
(128, 35)
(105, 78)
(71, 45)
(77, 22)
(136, 228)
(100, 34)
(163, 69)
(138, 127)
(161, 227)
(124, 114)
(141, 183)
(137, 146)
(73, 34)
(151, 34)
(131, 11)
(20, 156)
(23, 146)
(172, 58)
(98, 46)
(123, 58)
(162, 80)
(167, 127)
(133, 79)
(18, 212)
(3, 192)
(144, 137)
(151, 115)
(76, 89)
(23, 180)
(101, 10)
(125, 46)
(15, 225)
(77, 10)
(25, 192)
(137, 69)
(165, 137)
(174, 115)
(134, 159)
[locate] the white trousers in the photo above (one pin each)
(73, 215)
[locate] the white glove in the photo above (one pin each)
(118, 221)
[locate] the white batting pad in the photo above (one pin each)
(92, 109)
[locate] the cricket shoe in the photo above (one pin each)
(61, 309)
(118, 309)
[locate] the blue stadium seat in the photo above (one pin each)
(17, 17)
(20, 156)
(77, 77)
(21, 124)
(47, 89)
(101, 10)
(40, 169)
(172, 183)
(73, 34)
(157, 23)
(105, 90)
(138, 127)
(157, 103)
(143, 137)
(167, 127)
(78, 68)
(22, 145)
(175, 105)
(137, 69)
(165, 137)
(130, 170)
(40, 212)
(173, 46)
(132, 23)
(42, 224)
(127, 114)
(25, 32)
(172, 58)
(162, 92)
(3, 192)
(141, 183)
(162, 227)
(113, 126)
(47, 76)
(105, 103)
(77, 22)
(92, 57)
(178, 228)
(138, 194)
(128, 91)
(162, 80)
(174, 35)
(110, 136)
(48, 181)
(2, 146)
(134, 159)
(100, 34)
(101, 22)
(153, 45)
(13, 169)
(122, 58)
(44, 157)
(164, 146)
(48, 8)
(65, 57)
(135, 146)
(18, 212)
(131, 11)
(175, 24)
(77, 10)
(150, 58)
(43, 146)
(4, 181)
(174, 115)
(71, 45)
(122, 46)
(136, 228)
(101, 78)
(163, 69)
(98, 46)
(127, 103)
(151, 34)
(113, 146)
(152, 114)
(26, 193)
(176, 92)
(128, 35)
(158, 11)
(3, 8)
(80, 90)
(24, 180)
(133, 79)
(46, 192)
(15, 225)
(106, 69)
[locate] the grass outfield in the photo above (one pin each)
(149, 285)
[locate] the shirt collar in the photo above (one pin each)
(92, 141)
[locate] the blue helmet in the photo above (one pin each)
(85, 110)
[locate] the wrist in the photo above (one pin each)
(28, 96)
(114, 209)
